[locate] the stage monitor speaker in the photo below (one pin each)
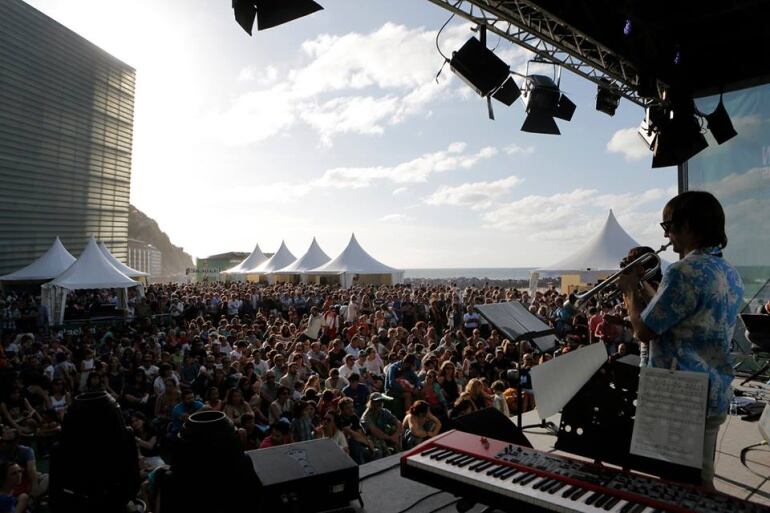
(491, 423)
(306, 476)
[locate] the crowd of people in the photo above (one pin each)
(375, 369)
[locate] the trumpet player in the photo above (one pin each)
(689, 321)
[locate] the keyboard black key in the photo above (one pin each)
(528, 479)
(440, 453)
(540, 482)
(593, 498)
(628, 507)
(578, 494)
(476, 465)
(521, 477)
(485, 466)
(569, 491)
(639, 508)
(499, 471)
(611, 503)
(431, 451)
(558, 486)
(601, 501)
(493, 469)
(452, 459)
(466, 462)
(443, 456)
(508, 473)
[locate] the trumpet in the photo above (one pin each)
(608, 289)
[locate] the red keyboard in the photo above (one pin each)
(510, 476)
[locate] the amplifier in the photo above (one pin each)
(306, 476)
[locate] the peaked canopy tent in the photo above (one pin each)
(297, 270)
(92, 270)
(279, 260)
(356, 266)
(599, 258)
(50, 265)
(120, 266)
(255, 259)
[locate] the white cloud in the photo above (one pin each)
(378, 79)
(351, 114)
(477, 195)
(628, 143)
(395, 218)
(263, 77)
(414, 171)
(515, 149)
(399, 190)
(574, 217)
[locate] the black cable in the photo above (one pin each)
(415, 503)
(745, 450)
(438, 34)
(381, 471)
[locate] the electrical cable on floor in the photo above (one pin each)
(718, 451)
(381, 471)
(415, 503)
(745, 450)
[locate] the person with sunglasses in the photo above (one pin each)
(689, 322)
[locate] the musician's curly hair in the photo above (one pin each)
(702, 213)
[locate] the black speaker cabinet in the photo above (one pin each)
(306, 476)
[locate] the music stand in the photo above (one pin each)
(758, 333)
(517, 324)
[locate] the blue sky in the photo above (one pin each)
(334, 124)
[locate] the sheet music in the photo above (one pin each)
(557, 381)
(670, 416)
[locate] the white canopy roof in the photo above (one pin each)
(92, 270)
(255, 259)
(602, 253)
(120, 266)
(354, 259)
(282, 258)
(313, 257)
(50, 265)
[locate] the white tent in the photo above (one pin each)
(120, 266)
(50, 265)
(92, 270)
(255, 259)
(313, 257)
(279, 260)
(354, 262)
(603, 253)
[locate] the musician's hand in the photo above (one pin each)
(630, 278)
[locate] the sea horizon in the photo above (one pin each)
(491, 273)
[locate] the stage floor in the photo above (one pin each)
(385, 491)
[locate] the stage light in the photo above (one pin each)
(540, 124)
(678, 140)
(607, 99)
(720, 125)
(507, 93)
(480, 68)
(545, 101)
(270, 13)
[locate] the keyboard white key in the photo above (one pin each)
(524, 491)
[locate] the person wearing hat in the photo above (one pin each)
(381, 425)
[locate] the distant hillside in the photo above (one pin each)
(143, 228)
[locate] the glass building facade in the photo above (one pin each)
(738, 173)
(66, 124)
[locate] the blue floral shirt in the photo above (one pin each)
(694, 314)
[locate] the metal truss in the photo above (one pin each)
(525, 24)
